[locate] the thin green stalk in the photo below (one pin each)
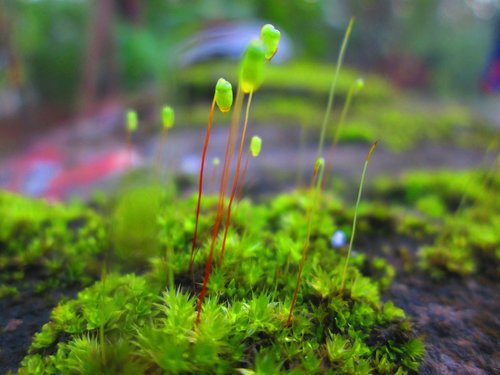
(316, 180)
(352, 90)
(332, 87)
(355, 87)
(161, 146)
(101, 326)
(236, 177)
(368, 157)
(243, 176)
(170, 270)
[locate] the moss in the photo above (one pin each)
(459, 211)
(295, 93)
(49, 244)
(299, 76)
(243, 328)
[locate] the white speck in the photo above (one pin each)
(338, 239)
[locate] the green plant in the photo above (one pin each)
(223, 97)
(316, 181)
(367, 160)
(251, 75)
(142, 324)
(167, 117)
(131, 123)
(332, 87)
(254, 150)
(58, 243)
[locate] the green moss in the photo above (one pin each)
(150, 329)
(299, 76)
(459, 212)
(295, 93)
(57, 244)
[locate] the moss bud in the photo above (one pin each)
(132, 121)
(320, 162)
(168, 117)
(271, 38)
(224, 95)
(360, 84)
(252, 67)
(255, 146)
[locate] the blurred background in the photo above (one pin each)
(69, 69)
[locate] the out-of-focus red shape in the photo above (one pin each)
(71, 160)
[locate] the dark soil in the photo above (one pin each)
(459, 320)
(20, 319)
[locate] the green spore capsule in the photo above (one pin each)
(215, 161)
(168, 117)
(255, 146)
(252, 67)
(224, 95)
(132, 121)
(320, 162)
(360, 84)
(271, 38)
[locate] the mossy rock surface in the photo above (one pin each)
(243, 324)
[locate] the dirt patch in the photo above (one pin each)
(20, 319)
(458, 319)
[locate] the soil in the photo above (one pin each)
(458, 319)
(20, 319)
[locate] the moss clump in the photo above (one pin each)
(459, 212)
(47, 245)
(150, 329)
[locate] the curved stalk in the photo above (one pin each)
(200, 186)
(368, 157)
(333, 85)
(243, 176)
(220, 206)
(235, 181)
(316, 180)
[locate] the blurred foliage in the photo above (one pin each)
(295, 94)
(459, 212)
(51, 37)
(57, 245)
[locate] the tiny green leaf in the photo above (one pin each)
(224, 95)
(252, 67)
(132, 121)
(271, 38)
(168, 117)
(255, 146)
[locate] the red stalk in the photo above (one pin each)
(200, 186)
(235, 181)
(220, 206)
